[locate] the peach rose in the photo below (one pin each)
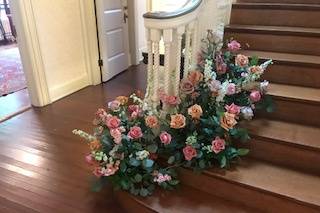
(113, 122)
(242, 60)
(218, 145)
(172, 100)
(123, 100)
(95, 145)
(152, 121)
(189, 152)
(256, 69)
(135, 133)
(195, 111)
(228, 121)
(178, 121)
(195, 77)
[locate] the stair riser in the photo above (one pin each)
(294, 111)
(129, 204)
(285, 155)
(277, 43)
(276, 17)
(281, 1)
(241, 193)
(293, 75)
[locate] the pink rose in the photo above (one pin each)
(234, 46)
(135, 133)
(134, 111)
(189, 152)
(97, 172)
(114, 105)
(233, 109)
(214, 85)
(255, 96)
(221, 67)
(231, 89)
(89, 159)
(172, 100)
(218, 145)
(186, 87)
(117, 135)
(165, 138)
(242, 60)
(113, 122)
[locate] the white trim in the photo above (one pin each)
(68, 88)
(30, 51)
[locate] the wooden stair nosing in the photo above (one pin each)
(271, 130)
(172, 200)
(276, 6)
(273, 30)
(285, 58)
(268, 188)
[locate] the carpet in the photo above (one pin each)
(12, 78)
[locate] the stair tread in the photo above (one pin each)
(275, 29)
(184, 200)
(306, 94)
(288, 6)
(270, 178)
(295, 134)
(284, 57)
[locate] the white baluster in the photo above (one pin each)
(187, 51)
(167, 38)
(176, 81)
(195, 43)
(150, 86)
(155, 37)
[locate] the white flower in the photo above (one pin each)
(214, 85)
(264, 86)
(141, 155)
(208, 74)
(247, 113)
(222, 92)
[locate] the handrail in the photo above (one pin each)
(189, 7)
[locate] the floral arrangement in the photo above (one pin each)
(138, 148)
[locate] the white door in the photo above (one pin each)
(113, 36)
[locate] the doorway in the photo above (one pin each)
(113, 34)
(14, 96)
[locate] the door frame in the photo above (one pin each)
(30, 48)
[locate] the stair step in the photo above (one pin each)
(295, 104)
(294, 40)
(184, 199)
(263, 185)
(292, 69)
(277, 14)
(284, 143)
(281, 1)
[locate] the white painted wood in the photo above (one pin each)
(113, 37)
(176, 82)
(187, 53)
(167, 38)
(155, 38)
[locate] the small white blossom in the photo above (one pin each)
(264, 86)
(247, 113)
(141, 155)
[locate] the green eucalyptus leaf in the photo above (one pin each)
(134, 162)
(243, 152)
(144, 192)
(138, 178)
(153, 148)
(171, 160)
(147, 163)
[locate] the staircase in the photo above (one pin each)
(282, 173)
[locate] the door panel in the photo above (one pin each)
(113, 37)
(115, 42)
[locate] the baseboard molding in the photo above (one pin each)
(68, 88)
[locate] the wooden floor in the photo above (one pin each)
(42, 166)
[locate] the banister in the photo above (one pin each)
(189, 7)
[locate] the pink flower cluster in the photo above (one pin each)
(169, 99)
(160, 178)
(134, 111)
(108, 170)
